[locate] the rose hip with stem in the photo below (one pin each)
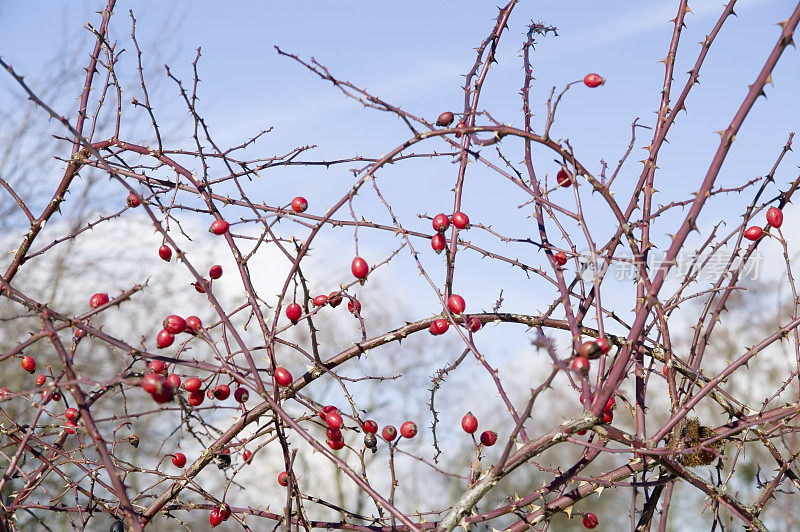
(408, 429)
(219, 227)
(469, 423)
(165, 252)
(775, 217)
(359, 268)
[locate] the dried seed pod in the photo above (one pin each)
(223, 460)
(693, 434)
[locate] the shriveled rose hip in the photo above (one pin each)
(445, 119)
(488, 438)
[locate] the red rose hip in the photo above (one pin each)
(564, 178)
(174, 324)
(408, 429)
(174, 380)
(299, 204)
(440, 223)
(488, 438)
(196, 398)
(590, 520)
(222, 392)
(580, 364)
(293, 312)
(192, 384)
(241, 395)
(98, 300)
(438, 242)
(389, 433)
(456, 304)
(439, 326)
(334, 420)
(215, 272)
(775, 217)
(219, 227)
(753, 233)
(179, 459)
(215, 518)
(165, 252)
(360, 268)
(593, 80)
(283, 376)
(194, 324)
(469, 423)
(164, 339)
(28, 363)
(460, 220)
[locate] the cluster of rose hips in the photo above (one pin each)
(588, 350)
(330, 414)
(294, 311)
(333, 419)
(608, 409)
(441, 222)
(162, 387)
(70, 414)
(173, 325)
(774, 218)
(360, 270)
(223, 459)
(470, 424)
(457, 305)
(446, 118)
(218, 227)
